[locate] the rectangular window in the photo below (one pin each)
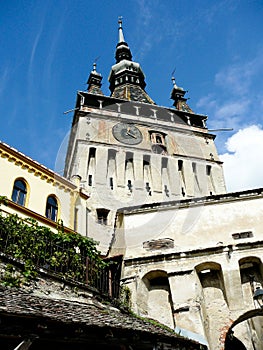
(148, 188)
(92, 152)
(102, 216)
(180, 165)
(208, 170)
(194, 167)
(129, 184)
(112, 154)
(111, 183)
(90, 180)
(129, 159)
(239, 235)
(164, 162)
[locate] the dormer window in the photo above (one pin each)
(157, 137)
(158, 142)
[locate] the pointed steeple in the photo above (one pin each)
(122, 49)
(94, 81)
(177, 95)
(127, 80)
(121, 36)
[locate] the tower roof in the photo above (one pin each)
(94, 81)
(177, 95)
(127, 80)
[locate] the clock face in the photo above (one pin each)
(127, 133)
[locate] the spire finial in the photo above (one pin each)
(94, 67)
(121, 36)
(173, 78)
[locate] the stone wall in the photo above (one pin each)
(217, 243)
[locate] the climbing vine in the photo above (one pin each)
(67, 254)
(125, 297)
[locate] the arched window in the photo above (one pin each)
(52, 208)
(19, 192)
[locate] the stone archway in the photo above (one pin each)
(246, 332)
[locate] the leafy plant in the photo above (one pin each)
(125, 297)
(38, 247)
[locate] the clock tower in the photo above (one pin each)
(129, 151)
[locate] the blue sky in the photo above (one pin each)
(216, 47)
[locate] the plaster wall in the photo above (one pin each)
(203, 266)
(198, 225)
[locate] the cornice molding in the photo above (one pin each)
(39, 170)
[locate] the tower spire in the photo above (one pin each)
(123, 51)
(127, 80)
(121, 35)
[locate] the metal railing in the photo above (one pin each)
(63, 260)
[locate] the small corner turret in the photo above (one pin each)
(177, 95)
(94, 82)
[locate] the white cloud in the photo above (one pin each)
(225, 114)
(238, 77)
(231, 108)
(243, 166)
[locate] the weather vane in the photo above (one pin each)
(120, 20)
(173, 78)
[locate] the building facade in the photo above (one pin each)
(129, 151)
(192, 253)
(37, 192)
(195, 265)
(147, 183)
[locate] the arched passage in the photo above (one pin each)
(246, 332)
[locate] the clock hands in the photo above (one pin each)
(130, 133)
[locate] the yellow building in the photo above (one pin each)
(39, 193)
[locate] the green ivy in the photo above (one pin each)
(37, 246)
(125, 297)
